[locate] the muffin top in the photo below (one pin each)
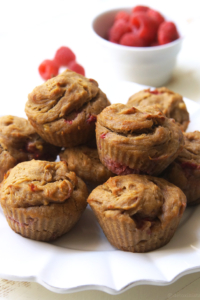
(139, 196)
(144, 129)
(59, 96)
(22, 141)
(37, 183)
(170, 103)
(85, 162)
(191, 150)
(190, 156)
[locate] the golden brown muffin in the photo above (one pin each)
(6, 161)
(138, 213)
(63, 110)
(184, 172)
(22, 141)
(42, 200)
(85, 162)
(137, 141)
(170, 103)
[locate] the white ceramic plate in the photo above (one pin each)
(83, 259)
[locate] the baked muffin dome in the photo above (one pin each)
(85, 162)
(137, 140)
(63, 110)
(6, 162)
(184, 172)
(170, 103)
(22, 141)
(42, 200)
(138, 213)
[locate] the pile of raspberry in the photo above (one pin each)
(143, 27)
(64, 57)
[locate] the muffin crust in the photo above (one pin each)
(138, 213)
(85, 162)
(184, 172)
(170, 103)
(63, 110)
(42, 200)
(6, 162)
(22, 141)
(132, 140)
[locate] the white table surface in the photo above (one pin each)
(31, 31)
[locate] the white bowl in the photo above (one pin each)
(151, 66)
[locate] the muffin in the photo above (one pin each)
(22, 141)
(85, 162)
(138, 213)
(42, 200)
(6, 161)
(63, 110)
(184, 172)
(170, 103)
(137, 140)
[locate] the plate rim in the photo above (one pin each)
(105, 288)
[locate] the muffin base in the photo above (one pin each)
(127, 160)
(40, 225)
(123, 234)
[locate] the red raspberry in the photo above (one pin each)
(131, 39)
(48, 69)
(74, 66)
(64, 56)
(122, 15)
(167, 32)
(153, 44)
(140, 8)
(144, 26)
(156, 16)
(117, 30)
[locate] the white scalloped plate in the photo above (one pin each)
(83, 259)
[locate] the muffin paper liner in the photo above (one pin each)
(130, 161)
(125, 236)
(133, 162)
(24, 222)
(67, 139)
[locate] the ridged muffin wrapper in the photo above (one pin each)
(125, 236)
(24, 222)
(66, 139)
(134, 159)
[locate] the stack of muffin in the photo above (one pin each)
(137, 145)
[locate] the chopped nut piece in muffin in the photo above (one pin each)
(184, 172)
(22, 141)
(138, 213)
(63, 110)
(42, 200)
(137, 140)
(170, 103)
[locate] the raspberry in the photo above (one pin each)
(131, 39)
(122, 15)
(64, 56)
(118, 29)
(48, 69)
(155, 92)
(167, 32)
(140, 8)
(156, 16)
(144, 26)
(74, 66)
(91, 119)
(153, 44)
